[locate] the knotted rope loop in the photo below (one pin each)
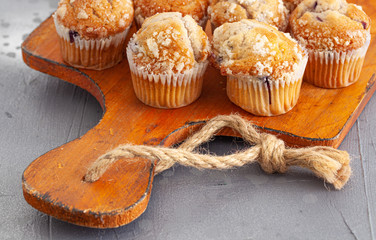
(272, 152)
(328, 163)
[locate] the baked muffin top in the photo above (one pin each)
(272, 12)
(252, 48)
(169, 42)
(330, 25)
(194, 8)
(95, 18)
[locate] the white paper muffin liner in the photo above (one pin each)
(331, 69)
(172, 90)
(94, 54)
(255, 96)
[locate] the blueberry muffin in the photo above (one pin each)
(264, 67)
(272, 12)
(195, 8)
(92, 32)
(336, 35)
(168, 57)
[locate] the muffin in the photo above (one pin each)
(264, 67)
(92, 32)
(195, 8)
(272, 12)
(168, 57)
(337, 36)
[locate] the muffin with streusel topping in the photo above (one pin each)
(337, 36)
(168, 58)
(272, 12)
(92, 32)
(264, 67)
(195, 8)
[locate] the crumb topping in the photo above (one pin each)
(95, 18)
(330, 25)
(169, 42)
(272, 12)
(195, 8)
(253, 48)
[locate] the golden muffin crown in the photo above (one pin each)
(169, 42)
(95, 18)
(195, 8)
(272, 12)
(256, 49)
(330, 25)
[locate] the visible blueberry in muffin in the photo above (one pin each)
(266, 81)
(337, 36)
(264, 67)
(92, 33)
(72, 35)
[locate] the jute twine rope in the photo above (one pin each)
(327, 163)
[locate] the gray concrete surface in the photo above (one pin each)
(39, 113)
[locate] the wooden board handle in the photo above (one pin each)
(53, 184)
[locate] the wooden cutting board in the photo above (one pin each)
(53, 182)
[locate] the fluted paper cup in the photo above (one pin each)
(331, 69)
(172, 90)
(264, 97)
(94, 54)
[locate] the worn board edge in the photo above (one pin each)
(92, 219)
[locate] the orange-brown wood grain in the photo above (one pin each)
(53, 182)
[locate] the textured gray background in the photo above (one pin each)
(39, 113)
